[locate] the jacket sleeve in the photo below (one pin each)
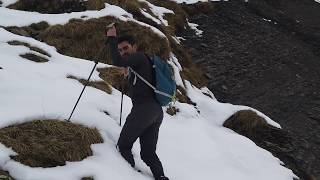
(132, 61)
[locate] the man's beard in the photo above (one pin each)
(125, 55)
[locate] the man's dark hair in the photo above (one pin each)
(130, 39)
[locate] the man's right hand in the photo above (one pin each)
(124, 71)
(112, 32)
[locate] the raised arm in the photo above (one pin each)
(133, 60)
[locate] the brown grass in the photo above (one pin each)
(101, 85)
(95, 4)
(85, 39)
(172, 110)
(245, 122)
(113, 76)
(4, 175)
(19, 43)
(30, 31)
(87, 178)
(195, 75)
(56, 6)
(33, 57)
(51, 7)
(78, 38)
(49, 143)
(182, 96)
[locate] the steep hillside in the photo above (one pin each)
(265, 54)
(45, 60)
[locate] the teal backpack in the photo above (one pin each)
(165, 86)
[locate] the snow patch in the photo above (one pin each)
(195, 28)
(158, 12)
(6, 3)
(11, 17)
(192, 1)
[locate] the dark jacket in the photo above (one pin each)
(139, 62)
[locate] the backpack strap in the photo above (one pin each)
(147, 83)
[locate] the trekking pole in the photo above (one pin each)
(121, 102)
(121, 107)
(94, 67)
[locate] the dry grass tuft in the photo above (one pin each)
(85, 39)
(49, 7)
(195, 75)
(19, 43)
(245, 122)
(113, 76)
(4, 175)
(101, 85)
(78, 38)
(87, 178)
(182, 96)
(172, 110)
(30, 31)
(49, 143)
(33, 57)
(95, 4)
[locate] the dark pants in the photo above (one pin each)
(143, 122)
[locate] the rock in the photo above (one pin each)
(204, 45)
(207, 75)
(224, 87)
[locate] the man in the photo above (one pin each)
(146, 115)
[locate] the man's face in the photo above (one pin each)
(126, 49)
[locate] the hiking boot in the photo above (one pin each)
(162, 178)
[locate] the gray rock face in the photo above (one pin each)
(265, 54)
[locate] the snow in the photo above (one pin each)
(192, 1)
(157, 11)
(11, 17)
(146, 14)
(5, 154)
(194, 27)
(191, 145)
(173, 61)
(8, 2)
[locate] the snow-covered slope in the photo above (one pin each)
(191, 145)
